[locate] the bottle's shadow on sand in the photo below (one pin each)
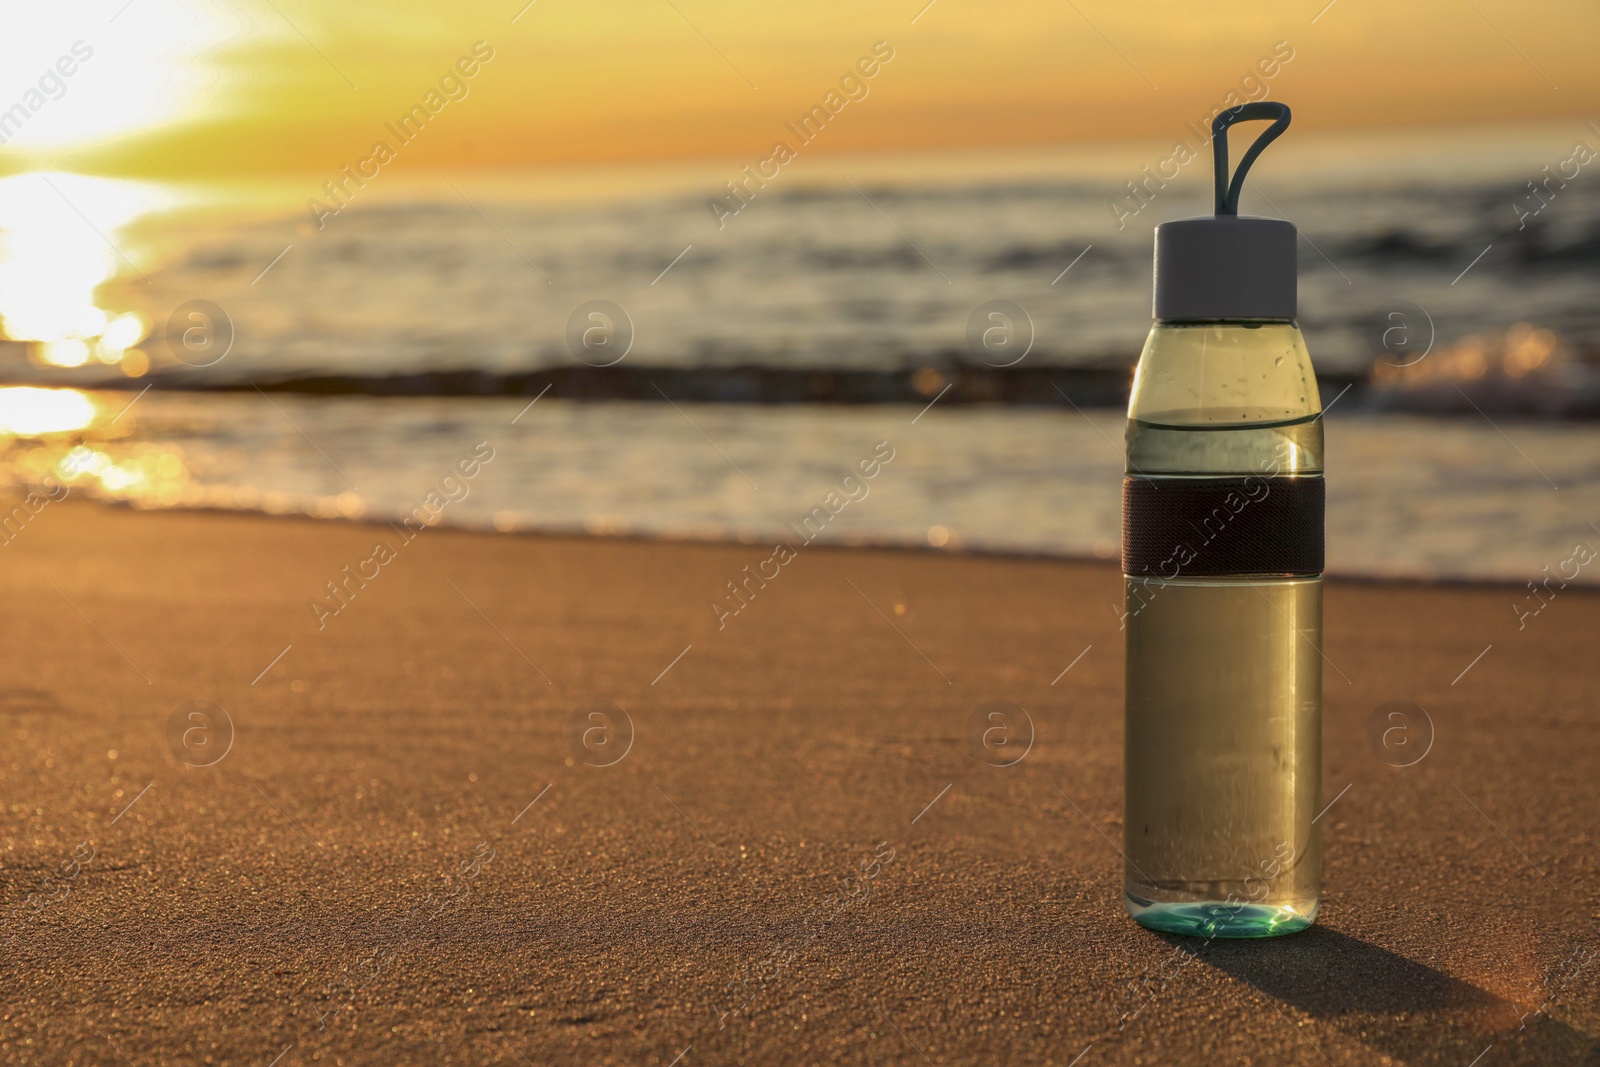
(1395, 1005)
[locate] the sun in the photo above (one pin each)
(59, 242)
(77, 74)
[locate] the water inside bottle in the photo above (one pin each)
(1224, 681)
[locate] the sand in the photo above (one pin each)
(409, 855)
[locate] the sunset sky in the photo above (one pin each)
(177, 89)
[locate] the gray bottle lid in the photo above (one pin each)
(1223, 266)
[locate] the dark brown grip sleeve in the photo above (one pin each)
(1173, 527)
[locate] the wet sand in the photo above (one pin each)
(410, 853)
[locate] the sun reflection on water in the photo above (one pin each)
(69, 437)
(61, 240)
(61, 441)
(26, 411)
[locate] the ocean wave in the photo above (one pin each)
(1408, 496)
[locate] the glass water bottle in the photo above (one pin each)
(1223, 559)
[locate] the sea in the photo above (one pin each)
(634, 365)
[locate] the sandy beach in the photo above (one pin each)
(420, 839)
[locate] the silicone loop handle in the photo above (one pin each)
(1227, 193)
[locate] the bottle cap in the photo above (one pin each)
(1224, 266)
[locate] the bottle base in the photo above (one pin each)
(1210, 919)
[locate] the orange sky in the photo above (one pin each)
(308, 86)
